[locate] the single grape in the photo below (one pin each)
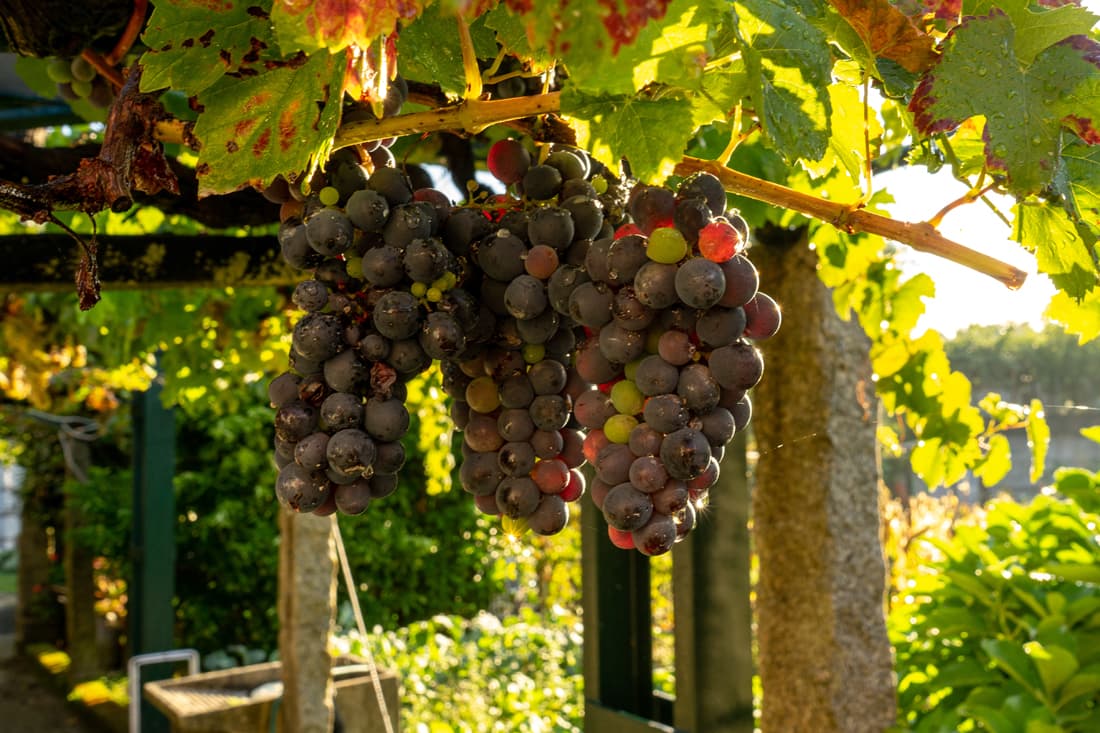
(655, 285)
(550, 516)
(481, 395)
(547, 443)
(542, 182)
(551, 476)
(657, 536)
(667, 245)
(656, 376)
(295, 420)
(310, 295)
(350, 451)
(480, 474)
(645, 441)
(541, 262)
(508, 161)
(627, 398)
(301, 490)
(283, 388)
(665, 413)
(552, 227)
(698, 388)
(311, 452)
(719, 241)
(386, 419)
(618, 428)
(340, 410)
(329, 232)
(685, 453)
(720, 326)
(700, 283)
(353, 498)
(739, 366)
(613, 463)
(518, 497)
(763, 317)
(516, 459)
(706, 186)
(742, 281)
(627, 509)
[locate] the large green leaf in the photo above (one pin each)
(1079, 317)
(1061, 248)
(1055, 665)
(789, 64)
(650, 132)
(190, 48)
(1010, 657)
(439, 32)
(278, 122)
(1025, 105)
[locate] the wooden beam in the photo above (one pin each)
(47, 262)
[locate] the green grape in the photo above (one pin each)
(82, 89)
(82, 70)
(600, 184)
(617, 428)
(441, 284)
(355, 267)
(329, 195)
(666, 245)
(627, 398)
(418, 289)
(434, 295)
(631, 369)
(59, 70)
(533, 353)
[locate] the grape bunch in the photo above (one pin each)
(672, 308)
(77, 79)
(382, 303)
(575, 318)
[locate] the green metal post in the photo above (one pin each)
(153, 549)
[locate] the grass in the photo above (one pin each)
(7, 582)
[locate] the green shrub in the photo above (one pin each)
(1000, 630)
(483, 675)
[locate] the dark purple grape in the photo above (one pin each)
(763, 317)
(672, 498)
(383, 266)
(571, 163)
(587, 213)
(382, 485)
(613, 464)
(619, 345)
(739, 366)
(656, 376)
(593, 366)
(657, 536)
(386, 420)
(301, 490)
(340, 410)
(627, 509)
(441, 336)
(518, 497)
(464, 227)
(647, 474)
(562, 284)
(742, 412)
(397, 315)
(742, 281)
(374, 347)
(350, 451)
(550, 516)
(311, 452)
(625, 258)
(720, 326)
(541, 182)
(515, 425)
(548, 444)
(481, 433)
(368, 210)
(295, 420)
(593, 408)
(718, 426)
(516, 392)
(389, 457)
(329, 232)
(408, 357)
(310, 295)
(345, 372)
(665, 413)
(392, 184)
(698, 388)
(425, 260)
(645, 441)
(706, 186)
(596, 262)
(294, 245)
(700, 283)
(283, 388)
(540, 329)
(508, 160)
(590, 304)
(549, 412)
(480, 474)
(685, 453)
(655, 285)
(318, 336)
(550, 226)
(501, 256)
(547, 377)
(675, 347)
(353, 498)
(525, 297)
(630, 313)
(692, 214)
(516, 459)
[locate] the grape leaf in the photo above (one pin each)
(190, 48)
(313, 25)
(889, 33)
(511, 33)
(1082, 181)
(1078, 317)
(439, 32)
(1044, 26)
(1025, 108)
(672, 49)
(278, 122)
(1060, 250)
(788, 62)
(1038, 439)
(997, 461)
(651, 133)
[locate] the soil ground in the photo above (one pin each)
(28, 703)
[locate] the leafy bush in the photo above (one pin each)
(1000, 629)
(520, 675)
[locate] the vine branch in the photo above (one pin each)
(921, 236)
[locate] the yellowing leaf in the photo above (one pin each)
(314, 25)
(1038, 438)
(889, 33)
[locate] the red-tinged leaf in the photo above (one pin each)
(625, 18)
(280, 122)
(312, 25)
(1025, 105)
(889, 33)
(601, 27)
(944, 9)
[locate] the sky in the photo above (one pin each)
(964, 296)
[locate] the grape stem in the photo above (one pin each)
(921, 236)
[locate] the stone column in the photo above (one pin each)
(825, 660)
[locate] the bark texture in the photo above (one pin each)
(825, 659)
